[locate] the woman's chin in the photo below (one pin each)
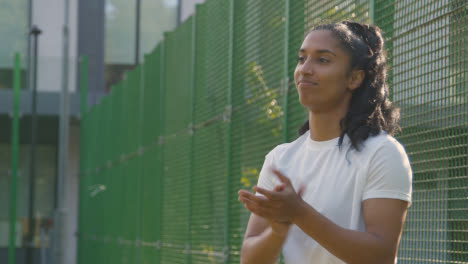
(307, 103)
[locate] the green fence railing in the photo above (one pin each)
(166, 151)
(14, 159)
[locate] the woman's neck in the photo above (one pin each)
(325, 125)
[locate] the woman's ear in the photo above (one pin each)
(356, 78)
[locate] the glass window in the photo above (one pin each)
(156, 17)
(14, 32)
(120, 32)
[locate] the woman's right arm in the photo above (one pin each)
(262, 244)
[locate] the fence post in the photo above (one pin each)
(285, 79)
(371, 11)
(228, 134)
(140, 151)
(285, 73)
(14, 157)
(161, 147)
(191, 135)
(84, 85)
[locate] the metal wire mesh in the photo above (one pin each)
(427, 41)
(168, 148)
(175, 219)
(209, 167)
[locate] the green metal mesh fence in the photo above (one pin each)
(166, 151)
(427, 41)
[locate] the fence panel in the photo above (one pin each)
(176, 160)
(257, 118)
(151, 160)
(210, 117)
(427, 46)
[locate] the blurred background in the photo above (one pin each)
(127, 126)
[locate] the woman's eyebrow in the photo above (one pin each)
(319, 51)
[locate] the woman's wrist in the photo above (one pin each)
(300, 211)
(278, 234)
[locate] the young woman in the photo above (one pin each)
(339, 193)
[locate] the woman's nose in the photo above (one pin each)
(306, 67)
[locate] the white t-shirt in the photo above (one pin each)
(336, 182)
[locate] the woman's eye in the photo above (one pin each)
(300, 59)
(323, 60)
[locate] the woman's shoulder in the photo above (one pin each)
(382, 144)
(382, 140)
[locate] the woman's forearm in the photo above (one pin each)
(349, 245)
(262, 249)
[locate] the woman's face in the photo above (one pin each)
(321, 74)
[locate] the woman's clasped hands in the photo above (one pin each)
(279, 207)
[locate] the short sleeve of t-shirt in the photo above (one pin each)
(267, 179)
(389, 173)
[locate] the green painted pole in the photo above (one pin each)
(285, 72)
(14, 157)
(140, 151)
(228, 134)
(161, 131)
(286, 79)
(371, 11)
(192, 141)
(84, 85)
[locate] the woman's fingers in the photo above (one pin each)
(254, 207)
(287, 183)
(279, 188)
(268, 194)
(282, 177)
(301, 190)
(261, 205)
(260, 200)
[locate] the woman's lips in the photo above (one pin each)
(305, 83)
